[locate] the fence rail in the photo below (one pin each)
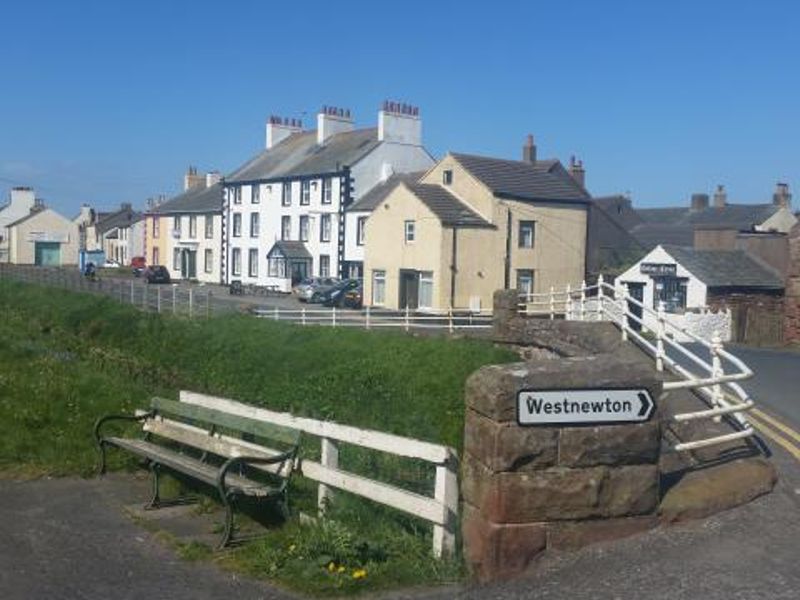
(441, 510)
(201, 301)
(718, 388)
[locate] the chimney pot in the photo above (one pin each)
(782, 197)
(529, 150)
(699, 202)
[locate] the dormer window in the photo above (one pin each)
(447, 177)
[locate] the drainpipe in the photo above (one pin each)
(453, 268)
(507, 277)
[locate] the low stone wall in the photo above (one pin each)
(526, 489)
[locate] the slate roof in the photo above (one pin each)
(676, 225)
(198, 199)
(122, 218)
(726, 268)
(544, 180)
(291, 249)
(376, 195)
(449, 209)
(300, 155)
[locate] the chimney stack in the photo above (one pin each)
(192, 179)
(529, 150)
(332, 120)
(212, 178)
(699, 202)
(125, 206)
(720, 197)
(279, 128)
(399, 122)
(577, 171)
(782, 197)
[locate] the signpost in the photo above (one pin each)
(585, 406)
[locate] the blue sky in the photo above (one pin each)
(104, 102)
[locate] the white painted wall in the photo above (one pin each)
(20, 203)
(386, 159)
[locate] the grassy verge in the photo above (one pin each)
(68, 358)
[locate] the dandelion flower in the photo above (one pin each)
(331, 567)
(341, 569)
(359, 574)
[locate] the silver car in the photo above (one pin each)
(305, 289)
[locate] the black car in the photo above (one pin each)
(335, 296)
(157, 274)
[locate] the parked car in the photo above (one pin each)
(138, 265)
(111, 264)
(354, 298)
(334, 296)
(157, 274)
(306, 289)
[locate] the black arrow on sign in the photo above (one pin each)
(646, 404)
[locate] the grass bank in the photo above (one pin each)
(67, 358)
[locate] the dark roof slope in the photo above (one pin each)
(376, 195)
(199, 199)
(124, 217)
(290, 249)
(300, 155)
(676, 225)
(726, 268)
(449, 209)
(543, 180)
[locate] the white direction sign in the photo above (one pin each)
(551, 407)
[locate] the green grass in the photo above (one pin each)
(68, 358)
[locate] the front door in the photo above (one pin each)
(189, 264)
(636, 291)
(409, 289)
(47, 254)
(300, 270)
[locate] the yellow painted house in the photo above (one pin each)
(472, 225)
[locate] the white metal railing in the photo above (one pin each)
(605, 302)
(441, 509)
(369, 318)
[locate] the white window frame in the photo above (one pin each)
(176, 260)
(192, 226)
(286, 227)
(176, 225)
(208, 260)
(327, 190)
(378, 287)
(237, 225)
(156, 227)
(286, 193)
(305, 228)
(255, 225)
(305, 192)
(426, 281)
(209, 226)
(255, 194)
(236, 262)
(252, 262)
(325, 221)
(409, 231)
(526, 234)
(521, 290)
(324, 261)
(361, 227)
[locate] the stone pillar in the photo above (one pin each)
(526, 489)
(791, 326)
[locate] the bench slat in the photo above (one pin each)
(218, 444)
(194, 412)
(190, 466)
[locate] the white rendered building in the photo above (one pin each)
(296, 191)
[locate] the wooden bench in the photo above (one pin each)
(239, 456)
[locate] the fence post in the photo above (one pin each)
(552, 303)
(174, 298)
(406, 317)
(330, 459)
(208, 304)
(277, 313)
(716, 371)
(158, 300)
(450, 319)
(366, 320)
(568, 304)
(624, 312)
(583, 300)
(660, 336)
(446, 493)
(133, 287)
(144, 297)
(303, 316)
(333, 317)
(600, 283)
(191, 302)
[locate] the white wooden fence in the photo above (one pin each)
(441, 509)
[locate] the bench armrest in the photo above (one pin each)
(105, 419)
(262, 460)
